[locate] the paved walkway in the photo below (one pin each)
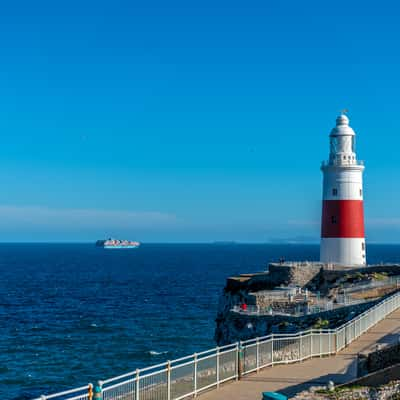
(292, 378)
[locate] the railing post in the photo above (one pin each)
(258, 354)
(195, 374)
(237, 361)
(137, 386)
(240, 360)
(217, 367)
(329, 343)
(320, 343)
(337, 340)
(98, 391)
(311, 344)
(169, 380)
(90, 391)
(272, 350)
(300, 346)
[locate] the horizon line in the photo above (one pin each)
(214, 242)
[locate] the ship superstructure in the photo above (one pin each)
(117, 244)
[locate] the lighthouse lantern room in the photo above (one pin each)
(342, 227)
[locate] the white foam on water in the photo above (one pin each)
(157, 353)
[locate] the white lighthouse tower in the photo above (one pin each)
(342, 225)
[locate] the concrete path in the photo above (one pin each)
(292, 378)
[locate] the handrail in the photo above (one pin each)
(340, 162)
(65, 392)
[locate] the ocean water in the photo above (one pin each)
(73, 313)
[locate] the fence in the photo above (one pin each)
(81, 393)
(299, 310)
(176, 379)
(391, 281)
(187, 376)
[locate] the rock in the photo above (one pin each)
(292, 310)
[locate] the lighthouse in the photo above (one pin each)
(342, 225)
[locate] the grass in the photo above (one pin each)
(380, 276)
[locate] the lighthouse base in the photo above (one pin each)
(343, 251)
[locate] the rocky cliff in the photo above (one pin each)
(291, 312)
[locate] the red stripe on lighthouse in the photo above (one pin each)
(342, 219)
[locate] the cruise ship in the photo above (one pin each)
(117, 244)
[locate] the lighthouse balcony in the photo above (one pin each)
(339, 162)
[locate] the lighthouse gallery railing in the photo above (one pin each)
(188, 376)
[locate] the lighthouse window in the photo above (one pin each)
(360, 192)
(363, 246)
(334, 219)
(334, 145)
(334, 192)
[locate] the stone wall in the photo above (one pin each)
(380, 377)
(378, 359)
(331, 275)
(297, 274)
(280, 306)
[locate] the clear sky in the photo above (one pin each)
(192, 120)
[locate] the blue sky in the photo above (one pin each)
(192, 121)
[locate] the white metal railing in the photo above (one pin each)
(80, 393)
(390, 281)
(187, 376)
(299, 310)
(176, 379)
(340, 162)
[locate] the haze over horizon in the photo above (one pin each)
(192, 122)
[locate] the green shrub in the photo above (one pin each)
(321, 323)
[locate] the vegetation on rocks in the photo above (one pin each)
(321, 324)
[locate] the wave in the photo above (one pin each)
(157, 353)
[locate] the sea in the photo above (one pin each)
(75, 313)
